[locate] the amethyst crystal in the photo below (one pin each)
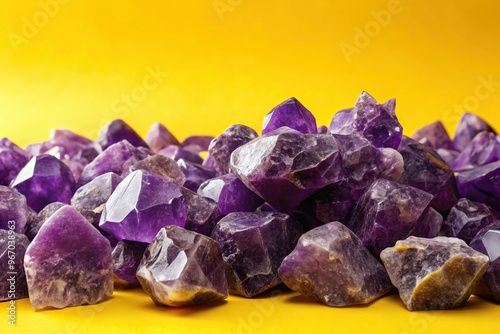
(195, 174)
(116, 131)
(434, 274)
(322, 129)
(12, 160)
(221, 147)
(197, 144)
(68, 263)
(45, 179)
(483, 149)
(41, 217)
(376, 122)
(13, 207)
(424, 169)
(481, 184)
(141, 205)
(183, 268)
(433, 135)
(448, 156)
(290, 113)
(230, 194)
(468, 127)
(331, 265)
(202, 214)
(12, 277)
(487, 241)
(176, 152)
(389, 212)
(90, 199)
(159, 137)
(253, 246)
(286, 166)
(161, 166)
(127, 256)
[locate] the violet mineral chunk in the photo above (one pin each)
(41, 217)
(222, 146)
(322, 129)
(286, 166)
(197, 144)
(434, 274)
(481, 184)
(159, 137)
(433, 135)
(448, 156)
(468, 127)
(183, 268)
(195, 174)
(127, 256)
(424, 169)
(13, 207)
(45, 179)
(389, 212)
(68, 263)
(12, 160)
(161, 166)
(202, 213)
(331, 265)
(290, 113)
(253, 246)
(483, 149)
(141, 205)
(12, 277)
(176, 152)
(487, 241)
(230, 194)
(376, 122)
(116, 131)
(90, 198)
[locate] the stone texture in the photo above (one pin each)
(481, 184)
(483, 149)
(286, 166)
(13, 206)
(197, 144)
(195, 174)
(176, 152)
(202, 214)
(468, 127)
(12, 160)
(222, 146)
(448, 156)
(290, 113)
(68, 263)
(12, 277)
(183, 268)
(116, 131)
(159, 137)
(331, 265)
(161, 166)
(141, 205)
(45, 179)
(376, 122)
(41, 217)
(433, 135)
(127, 256)
(253, 246)
(434, 274)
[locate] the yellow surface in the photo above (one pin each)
(72, 63)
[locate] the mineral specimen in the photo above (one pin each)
(159, 137)
(162, 166)
(13, 207)
(12, 277)
(12, 160)
(202, 214)
(290, 113)
(483, 149)
(127, 256)
(116, 131)
(176, 152)
(433, 135)
(468, 127)
(197, 144)
(195, 174)
(41, 217)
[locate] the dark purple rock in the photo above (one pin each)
(376, 122)
(481, 184)
(222, 146)
(45, 179)
(253, 246)
(197, 144)
(195, 174)
(448, 156)
(487, 241)
(116, 131)
(159, 137)
(12, 277)
(141, 205)
(183, 268)
(127, 256)
(12, 160)
(433, 274)
(68, 263)
(424, 169)
(433, 135)
(202, 213)
(286, 166)
(41, 217)
(230, 194)
(13, 207)
(483, 149)
(322, 129)
(290, 113)
(176, 153)
(468, 127)
(161, 166)
(331, 265)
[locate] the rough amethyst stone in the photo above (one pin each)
(12, 277)
(481, 184)
(487, 241)
(195, 174)
(448, 156)
(468, 127)
(197, 144)
(141, 205)
(483, 149)
(322, 129)
(41, 217)
(467, 218)
(90, 198)
(424, 169)
(434, 274)
(45, 179)
(331, 265)
(253, 246)
(12, 160)
(183, 268)
(127, 256)
(202, 213)
(68, 263)
(176, 152)
(161, 166)
(433, 135)
(13, 207)
(222, 146)
(230, 194)
(159, 137)
(286, 166)
(116, 131)
(389, 212)
(376, 122)
(290, 113)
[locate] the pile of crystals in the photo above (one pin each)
(342, 214)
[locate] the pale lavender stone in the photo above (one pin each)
(331, 265)
(197, 144)
(176, 153)
(127, 256)
(209, 162)
(12, 160)
(290, 113)
(75, 167)
(159, 137)
(162, 166)
(12, 277)
(116, 131)
(482, 150)
(433, 135)
(202, 214)
(481, 184)
(468, 127)
(323, 129)
(37, 222)
(448, 156)
(13, 207)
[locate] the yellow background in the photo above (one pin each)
(231, 61)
